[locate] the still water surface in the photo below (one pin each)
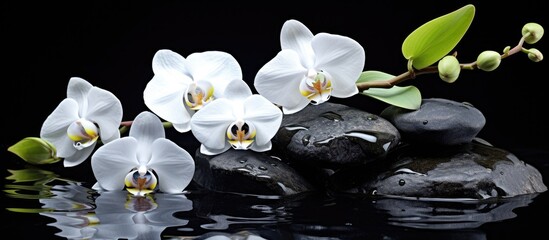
(45, 204)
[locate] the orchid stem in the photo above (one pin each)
(125, 126)
(412, 73)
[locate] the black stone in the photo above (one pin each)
(330, 134)
(248, 172)
(437, 121)
(470, 171)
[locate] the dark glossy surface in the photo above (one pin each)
(56, 206)
(111, 44)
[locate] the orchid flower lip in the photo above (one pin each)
(199, 94)
(241, 134)
(140, 184)
(84, 133)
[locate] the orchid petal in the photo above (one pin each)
(216, 67)
(238, 89)
(279, 80)
(79, 156)
(262, 148)
(78, 89)
(105, 110)
(164, 97)
(168, 62)
(146, 128)
(265, 116)
(173, 164)
(209, 125)
(111, 162)
(343, 58)
(54, 129)
(214, 151)
(297, 37)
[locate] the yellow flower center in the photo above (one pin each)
(198, 95)
(241, 134)
(140, 184)
(317, 87)
(83, 132)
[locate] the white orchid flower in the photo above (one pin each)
(87, 114)
(241, 120)
(137, 160)
(182, 86)
(310, 68)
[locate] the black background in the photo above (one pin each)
(111, 44)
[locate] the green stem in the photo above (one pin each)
(125, 126)
(412, 73)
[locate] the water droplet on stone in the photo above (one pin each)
(401, 182)
(243, 170)
(468, 104)
(325, 142)
(425, 122)
(242, 161)
(295, 127)
(306, 139)
(262, 168)
(332, 116)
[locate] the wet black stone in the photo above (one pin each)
(331, 134)
(438, 121)
(248, 172)
(470, 171)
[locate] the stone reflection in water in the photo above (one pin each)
(224, 211)
(445, 214)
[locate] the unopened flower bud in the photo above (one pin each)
(488, 60)
(448, 69)
(535, 30)
(535, 55)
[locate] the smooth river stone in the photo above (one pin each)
(438, 121)
(248, 172)
(471, 171)
(332, 135)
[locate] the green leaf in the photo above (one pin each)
(407, 97)
(436, 38)
(35, 150)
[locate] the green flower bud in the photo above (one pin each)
(448, 69)
(488, 60)
(535, 55)
(535, 30)
(35, 150)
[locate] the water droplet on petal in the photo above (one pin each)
(262, 168)
(401, 182)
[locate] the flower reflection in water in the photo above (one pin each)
(120, 215)
(82, 213)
